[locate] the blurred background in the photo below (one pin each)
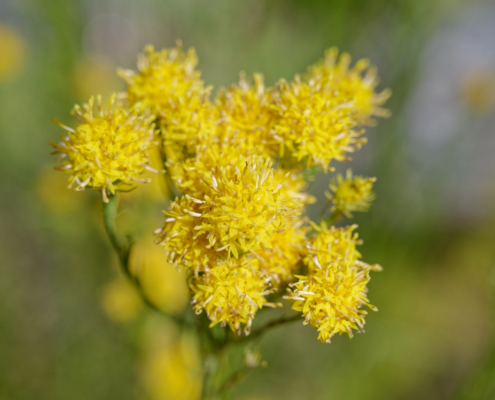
(71, 327)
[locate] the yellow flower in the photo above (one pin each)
(12, 53)
(245, 117)
(162, 284)
(330, 299)
(333, 73)
(171, 368)
(168, 84)
(230, 292)
(313, 124)
(331, 245)
(331, 295)
(318, 119)
(283, 259)
(350, 194)
(120, 301)
(237, 208)
(108, 150)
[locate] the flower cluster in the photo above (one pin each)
(240, 163)
(331, 294)
(107, 150)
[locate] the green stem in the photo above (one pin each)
(172, 190)
(257, 333)
(123, 251)
(334, 217)
(233, 379)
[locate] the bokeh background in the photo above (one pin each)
(71, 327)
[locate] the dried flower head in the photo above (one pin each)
(107, 150)
(350, 194)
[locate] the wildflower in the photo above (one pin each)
(13, 51)
(161, 283)
(330, 298)
(120, 301)
(168, 84)
(319, 119)
(237, 208)
(171, 365)
(333, 73)
(331, 294)
(245, 117)
(331, 245)
(230, 293)
(283, 258)
(109, 150)
(350, 194)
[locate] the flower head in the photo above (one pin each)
(283, 258)
(168, 84)
(108, 150)
(331, 295)
(355, 85)
(351, 194)
(331, 298)
(245, 117)
(331, 245)
(236, 209)
(230, 292)
(319, 119)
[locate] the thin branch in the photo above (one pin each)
(233, 379)
(123, 251)
(255, 334)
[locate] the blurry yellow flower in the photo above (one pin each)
(108, 150)
(52, 190)
(120, 301)
(172, 370)
(168, 84)
(331, 295)
(13, 50)
(350, 194)
(236, 209)
(231, 292)
(333, 73)
(162, 284)
(478, 91)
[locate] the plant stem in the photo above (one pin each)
(235, 378)
(172, 190)
(261, 331)
(123, 251)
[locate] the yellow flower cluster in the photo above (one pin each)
(108, 150)
(240, 162)
(318, 117)
(168, 84)
(350, 194)
(330, 297)
(230, 292)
